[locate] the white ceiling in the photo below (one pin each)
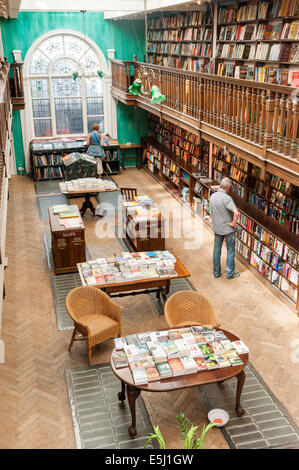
(112, 8)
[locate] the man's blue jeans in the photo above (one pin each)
(230, 248)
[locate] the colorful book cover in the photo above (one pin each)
(211, 362)
(176, 365)
(164, 369)
(222, 361)
(119, 359)
(152, 374)
(200, 362)
(205, 349)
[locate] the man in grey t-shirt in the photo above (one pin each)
(224, 220)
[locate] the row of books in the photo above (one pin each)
(69, 216)
(128, 267)
(266, 254)
(45, 160)
(257, 201)
(189, 49)
(230, 157)
(156, 355)
(258, 10)
(48, 173)
(278, 247)
(190, 18)
(283, 76)
(188, 64)
(87, 184)
(173, 128)
(283, 201)
(263, 52)
(281, 184)
(291, 222)
(189, 34)
(58, 144)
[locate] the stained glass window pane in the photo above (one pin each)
(91, 62)
(94, 106)
(74, 47)
(65, 67)
(40, 88)
(96, 120)
(39, 64)
(94, 87)
(69, 115)
(66, 87)
(52, 47)
(41, 108)
(42, 127)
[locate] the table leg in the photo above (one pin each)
(165, 290)
(132, 395)
(241, 379)
(122, 395)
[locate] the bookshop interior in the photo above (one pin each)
(149, 224)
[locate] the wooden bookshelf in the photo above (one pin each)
(266, 245)
(263, 41)
(249, 40)
(181, 40)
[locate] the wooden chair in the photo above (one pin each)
(129, 193)
(187, 307)
(95, 315)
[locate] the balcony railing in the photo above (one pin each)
(264, 114)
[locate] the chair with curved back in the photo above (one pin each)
(95, 316)
(187, 307)
(129, 193)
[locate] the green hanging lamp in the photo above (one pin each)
(157, 97)
(101, 74)
(135, 89)
(75, 75)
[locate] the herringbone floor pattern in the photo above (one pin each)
(34, 408)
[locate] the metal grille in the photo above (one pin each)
(69, 115)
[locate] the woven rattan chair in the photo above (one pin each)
(129, 193)
(95, 315)
(187, 307)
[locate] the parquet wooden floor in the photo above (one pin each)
(34, 408)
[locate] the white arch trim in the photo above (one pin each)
(110, 115)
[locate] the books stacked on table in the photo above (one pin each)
(128, 267)
(157, 355)
(87, 184)
(140, 209)
(69, 216)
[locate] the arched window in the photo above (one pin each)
(65, 86)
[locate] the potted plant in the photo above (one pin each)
(188, 431)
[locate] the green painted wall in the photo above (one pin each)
(132, 124)
(125, 36)
(18, 140)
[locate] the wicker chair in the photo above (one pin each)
(187, 307)
(129, 193)
(95, 315)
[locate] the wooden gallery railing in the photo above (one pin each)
(262, 114)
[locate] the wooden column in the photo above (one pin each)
(238, 115)
(275, 121)
(282, 124)
(263, 117)
(247, 112)
(287, 149)
(269, 120)
(252, 114)
(294, 140)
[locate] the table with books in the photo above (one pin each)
(143, 224)
(133, 273)
(86, 187)
(68, 239)
(175, 359)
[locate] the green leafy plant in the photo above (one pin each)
(188, 431)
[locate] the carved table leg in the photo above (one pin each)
(241, 379)
(132, 395)
(122, 395)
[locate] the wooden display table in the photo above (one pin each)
(145, 233)
(68, 245)
(160, 285)
(132, 391)
(124, 147)
(86, 193)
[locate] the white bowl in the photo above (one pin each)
(218, 413)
